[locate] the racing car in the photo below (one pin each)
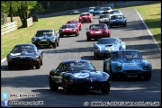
(97, 31)
(104, 18)
(26, 55)
(105, 46)
(46, 38)
(78, 75)
(69, 29)
(79, 24)
(85, 17)
(127, 63)
(118, 20)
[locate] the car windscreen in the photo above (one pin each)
(68, 26)
(107, 41)
(79, 66)
(116, 17)
(130, 54)
(99, 26)
(104, 16)
(42, 33)
(26, 48)
(84, 15)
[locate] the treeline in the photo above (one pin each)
(45, 7)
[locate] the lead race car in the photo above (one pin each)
(78, 74)
(127, 63)
(25, 55)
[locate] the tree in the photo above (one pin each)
(23, 10)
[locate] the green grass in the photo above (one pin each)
(24, 35)
(151, 14)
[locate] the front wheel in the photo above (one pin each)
(105, 90)
(66, 87)
(88, 39)
(10, 66)
(53, 86)
(37, 65)
(147, 77)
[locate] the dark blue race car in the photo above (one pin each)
(46, 38)
(127, 63)
(25, 55)
(117, 20)
(78, 74)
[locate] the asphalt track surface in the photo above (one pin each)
(35, 81)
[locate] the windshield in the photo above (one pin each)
(79, 66)
(99, 26)
(104, 16)
(68, 26)
(126, 54)
(84, 15)
(115, 11)
(26, 48)
(107, 41)
(42, 33)
(117, 17)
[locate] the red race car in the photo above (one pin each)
(97, 31)
(85, 17)
(69, 29)
(79, 24)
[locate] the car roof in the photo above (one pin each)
(85, 13)
(45, 30)
(25, 44)
(75, 60)
(109, 38)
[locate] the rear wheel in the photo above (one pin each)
(54, 45)
(77, 34)
(61, 35)
(53, 86)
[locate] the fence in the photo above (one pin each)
(8, 27)
(29, 22)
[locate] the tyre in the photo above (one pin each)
(53, 86)
(125, 24)
(147, 77)
(105, 90)
(88, 39)
(10, 66)
(54, 45)
(95, 55)
(66, 87)
(61, 35)
(41, 62)
(37, 65)
(77, 34)
(57, 43)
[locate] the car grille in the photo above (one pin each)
(132, 71)
(43, 42)
(22, 60)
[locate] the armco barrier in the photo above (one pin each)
(8, 27)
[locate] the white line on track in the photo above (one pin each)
(148, 30)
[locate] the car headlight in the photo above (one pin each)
(118, 68)
(61, 30)
(145, 67)
(33, 40)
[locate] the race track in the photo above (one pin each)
(34, 81)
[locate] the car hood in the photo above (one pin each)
(84, 75)
(105, 46)
(117, 20)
